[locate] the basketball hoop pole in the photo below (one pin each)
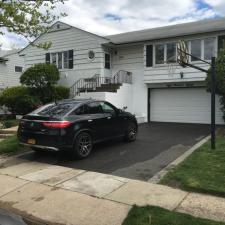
(183, 61)
(213, 108)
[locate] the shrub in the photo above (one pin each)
(61, 92)
(41, 75)
(50, 94)
(26, 104)
(9, 96)
(220, 79)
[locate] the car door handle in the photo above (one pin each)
(109, 118)
(90, 121)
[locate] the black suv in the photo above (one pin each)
(76, 125)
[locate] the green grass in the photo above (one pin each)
(11, 146)
(149, 215)
(203, 171)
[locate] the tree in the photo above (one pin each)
(40, 75)
(220, 79)
(41, 79)
(28, 18)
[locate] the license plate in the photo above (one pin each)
(31, 141)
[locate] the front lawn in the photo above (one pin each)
(11, 145)
(150, 215)
(203, 171)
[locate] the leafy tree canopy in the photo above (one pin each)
(28, 18)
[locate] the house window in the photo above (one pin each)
(107, 61)
(66, 60)
(60, 60)
(165, 53)
(63, 60)
(195, 50)
(209, 48)
(171, 49)
(18, 69)
(53, 58)
(159, 54)
(203, 49)
(91, 55)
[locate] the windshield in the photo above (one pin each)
(59, 109)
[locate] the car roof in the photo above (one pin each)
(78, 100)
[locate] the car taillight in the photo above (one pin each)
(58, 124)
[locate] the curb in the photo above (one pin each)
(157, 177)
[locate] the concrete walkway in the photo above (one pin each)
(61, 195)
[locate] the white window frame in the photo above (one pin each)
(165, 53)
(57, 65)
(189, 49)
(202, 48)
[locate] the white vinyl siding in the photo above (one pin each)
(70, 38)
(161, 73)
(8, 76)
(183, 105)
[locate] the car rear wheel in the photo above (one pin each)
(83, 145)
(131, 132)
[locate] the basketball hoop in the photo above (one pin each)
(182, 53)
(171, 68)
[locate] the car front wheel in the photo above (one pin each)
(131, 132)
(83, 145)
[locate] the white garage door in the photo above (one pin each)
(184, 105)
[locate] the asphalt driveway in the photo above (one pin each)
(156, 146)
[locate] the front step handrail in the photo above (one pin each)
(81, 83)
(91, 84)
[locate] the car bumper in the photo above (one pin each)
(40, 147)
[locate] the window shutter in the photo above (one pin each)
(221, 43)
(47, 57)
(70, 59)
(149, 55)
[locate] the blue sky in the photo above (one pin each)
(106, 17)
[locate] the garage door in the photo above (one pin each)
(184, 105)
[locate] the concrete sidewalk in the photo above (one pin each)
(61, 195)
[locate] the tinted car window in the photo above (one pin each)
(84, 109)
(95, 108)
(107, 108)
(55, 109)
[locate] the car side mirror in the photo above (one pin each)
(119, 111)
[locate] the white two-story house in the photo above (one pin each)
(137, 70)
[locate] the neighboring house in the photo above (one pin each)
(137, 70)
(11, 67)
